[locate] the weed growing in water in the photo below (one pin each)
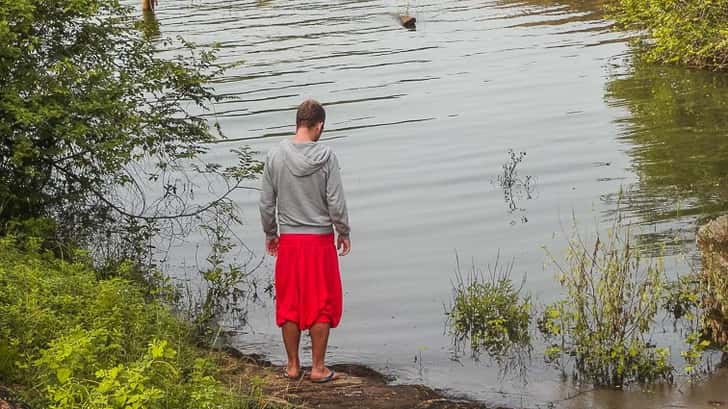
(514, 186)
(489, 314)
(614, 295)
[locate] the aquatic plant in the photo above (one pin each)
(604, 324)
(514, 186)
(489, 314)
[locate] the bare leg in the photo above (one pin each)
(319, 341)
(291, 340)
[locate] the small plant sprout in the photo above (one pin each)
(513, 185)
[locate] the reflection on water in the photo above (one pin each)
(149, 25)
(676, 130)
(561, 13)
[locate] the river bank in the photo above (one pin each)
(358, 387)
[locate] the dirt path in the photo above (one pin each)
(359, 387)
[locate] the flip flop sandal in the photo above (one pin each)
(293, 378)
(330, 377)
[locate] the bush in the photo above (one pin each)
(693, 33)
(489, 314)
(76, 341)
(104, 135)
(605, 322)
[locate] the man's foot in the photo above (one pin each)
(326, 375)
(293, 372)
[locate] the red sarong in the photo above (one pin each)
(307, 280)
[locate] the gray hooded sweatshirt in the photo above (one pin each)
(302, 180)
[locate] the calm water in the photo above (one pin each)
(422, 122)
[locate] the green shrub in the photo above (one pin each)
(604, 323)
(693, 33)
(76, 341)
(489, 314)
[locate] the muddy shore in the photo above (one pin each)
(358, 387)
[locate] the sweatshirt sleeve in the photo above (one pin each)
(335, 198)
(267, 203)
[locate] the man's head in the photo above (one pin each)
(311, 116)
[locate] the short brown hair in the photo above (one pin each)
(310, 113)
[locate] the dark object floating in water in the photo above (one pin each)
(408, 22)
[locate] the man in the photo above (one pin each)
(301, 180)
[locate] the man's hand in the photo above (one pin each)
(271, 246)
(343, 244)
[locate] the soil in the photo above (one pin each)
(8, 400)
(358, 387)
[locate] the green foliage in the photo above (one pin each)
(92, 117)
(682, 297)
(693, 356)
(490, 315)
(614, 299)
(693, 33)
(604, 324)
(76, 341)
(104, 141)
(228, 287)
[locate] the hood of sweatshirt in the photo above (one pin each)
(303, 159)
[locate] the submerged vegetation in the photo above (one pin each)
(514, 186)
(692, 33)
(604, 324)
(602, 332)
(489, 314)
